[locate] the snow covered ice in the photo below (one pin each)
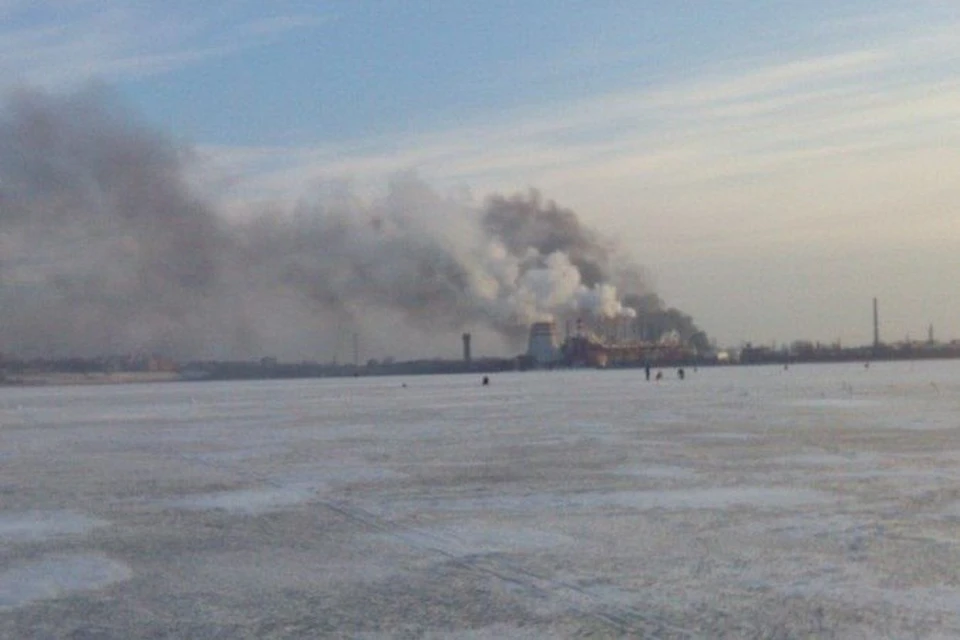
(819, 501)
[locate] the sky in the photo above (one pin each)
(773, 166)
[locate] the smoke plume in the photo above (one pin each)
(107, 248)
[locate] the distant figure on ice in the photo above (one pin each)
(486, 381)
(681, 373)
(659, 376)
(646, 370)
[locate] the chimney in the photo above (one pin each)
(466, 347)
(876, 325)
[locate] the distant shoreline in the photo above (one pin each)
(80, 379)
(247, 371)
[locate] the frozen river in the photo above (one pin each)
(822, 501)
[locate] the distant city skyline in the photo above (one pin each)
(772, 166)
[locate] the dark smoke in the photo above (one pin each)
(654, 320)
(102, 245)
(106, 248)
(524, 222)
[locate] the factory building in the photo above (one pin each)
(613, 347)
(544, 346)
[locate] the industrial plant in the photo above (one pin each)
(598, 343)
(614, 342)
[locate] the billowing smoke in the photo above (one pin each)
(107, 248)
(102, 246)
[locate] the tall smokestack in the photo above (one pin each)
(876, 325)
(466, 347)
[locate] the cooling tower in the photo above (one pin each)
(543, 343)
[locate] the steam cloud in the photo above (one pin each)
(105, 248)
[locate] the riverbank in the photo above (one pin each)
(72, 379)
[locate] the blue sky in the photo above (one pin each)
(773, 165)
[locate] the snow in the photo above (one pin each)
(664, 472)
(57, 576)
(818, 501)
(473, 537)
(249, 501)
(33, 526)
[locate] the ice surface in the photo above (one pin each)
(830, 460)
(339, 474)
(492, 632)
(706, 498)
(247, 501)
(229, 456)
(33, 526)
(658, 471)
(821, 501)
(724, 436)
(716, 498)
(469, 538)
(57, 576)
(854, 404)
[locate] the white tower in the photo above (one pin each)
(542, 347)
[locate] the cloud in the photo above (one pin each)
(279, 25)
(750, 119)
(56, 44)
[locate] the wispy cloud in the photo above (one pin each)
(278, 25)
(764, 116)
(58, 44)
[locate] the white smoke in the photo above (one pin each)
(602, 301)
(557, 288)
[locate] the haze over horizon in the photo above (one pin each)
(772, 168)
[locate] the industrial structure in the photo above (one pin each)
(876, 325)
(543, 347)
(592, 343)
(610, 343)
